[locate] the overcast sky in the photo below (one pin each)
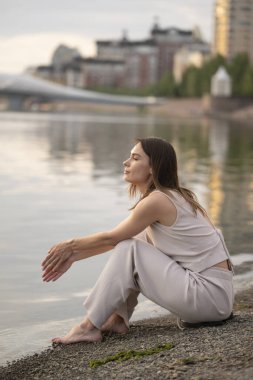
(31, 29)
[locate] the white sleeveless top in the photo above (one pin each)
(191, 241)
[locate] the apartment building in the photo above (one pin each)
(233, 32)
(168, 42)
(189, 55)
(127, 63)
(140, 57)
(96, 72)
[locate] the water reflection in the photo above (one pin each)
(61, 176)
(215, 158)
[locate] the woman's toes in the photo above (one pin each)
(56, 340)
(79, 334)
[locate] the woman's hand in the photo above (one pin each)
(58, 261)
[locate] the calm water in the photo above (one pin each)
(61, 177)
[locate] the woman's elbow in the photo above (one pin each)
(110, 239)
(114, 239)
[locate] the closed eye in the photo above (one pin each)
(135, 156)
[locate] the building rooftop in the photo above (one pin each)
(125, 42)
(95, 60)
(200, 46)
(171, 30)
(45, 68)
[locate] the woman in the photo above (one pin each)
(167, 249)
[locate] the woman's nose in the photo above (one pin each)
(126, 163)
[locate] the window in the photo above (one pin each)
(246, 9)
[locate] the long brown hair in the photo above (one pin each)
(163, 162)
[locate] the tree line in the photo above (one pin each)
(196, 81)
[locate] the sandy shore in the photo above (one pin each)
(220, 352)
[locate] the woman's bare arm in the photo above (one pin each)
(62, 255)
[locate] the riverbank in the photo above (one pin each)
(200, 108)
(220, 352)
(172, 108)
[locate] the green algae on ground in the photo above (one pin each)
(195, 359)
(188, 360)
(242, 306)
(126, 355)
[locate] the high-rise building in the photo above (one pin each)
(233, 27)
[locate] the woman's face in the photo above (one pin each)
(137, 169)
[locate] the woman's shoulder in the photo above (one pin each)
(154, 204)
(159, 193)
(165, 194)
(166, 207)
(164, 198)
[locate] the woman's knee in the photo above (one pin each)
(126, 250)
(123, 246)
(137, 249)
(133, 248)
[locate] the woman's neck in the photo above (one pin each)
(142, 189)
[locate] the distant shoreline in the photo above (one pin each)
(176, 108)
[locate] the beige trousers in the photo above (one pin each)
(136, 266)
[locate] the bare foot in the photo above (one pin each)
(85, 332)
(115, 324)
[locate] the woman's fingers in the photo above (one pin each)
(49, 266)
(44, 262)
(47, 273)
(57, 266)
(57, 261)
(61, 251)
(48, 257)
(57, 276)
(51, 260)
(54, 247)
(47, 276)
(47, 261)
(50, 270)
(51, 276)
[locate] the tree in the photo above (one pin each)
(239, 65)
(191, 84)
(196, 81)
(164, 87)
(209, 69)
(246, 83)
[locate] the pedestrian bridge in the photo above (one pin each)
(20, 87)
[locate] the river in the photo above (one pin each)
(61, 177)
